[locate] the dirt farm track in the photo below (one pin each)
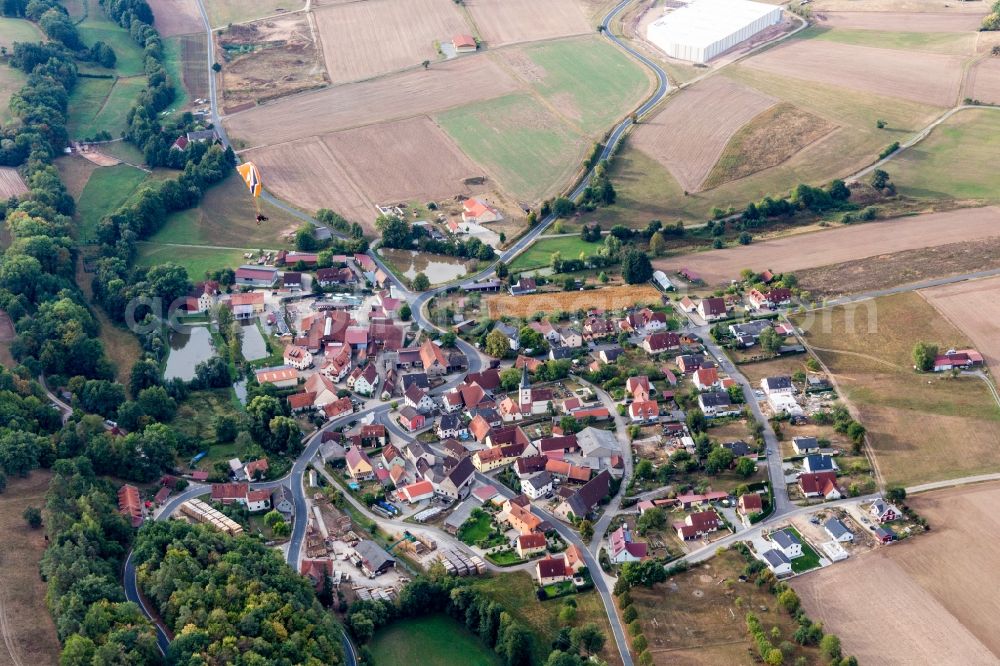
(822, 248)
(928, 600)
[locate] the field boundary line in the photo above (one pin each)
(5, 630)
(859, 354)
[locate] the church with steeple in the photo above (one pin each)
(527, 402)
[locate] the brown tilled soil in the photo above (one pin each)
(509, 21)
(366, 39)
(689, 134)
(977, 7)
(285, 60)
(608, 298)
(919, 77)
(983, 81)
(177, 17)
(11, 183)
(768, 140)
(889, 270)
(193, 70)
(443, 86)
(899, 21)
(26, 629)
(974, 307)
(933, 586)
(844, 244)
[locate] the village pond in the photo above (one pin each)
(188, 347)
(437, 267)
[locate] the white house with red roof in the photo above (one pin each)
(643, 411)
(959, 359)
(477, 211)
(324, 389)
(297, 357)
(464, 43)
(623, 548)
(770, 299)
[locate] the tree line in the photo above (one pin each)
(397, 233)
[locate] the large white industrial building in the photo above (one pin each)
(703, 29)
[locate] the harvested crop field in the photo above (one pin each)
(919, 77)
(194, 74)
(608, 298)
(766, 141)
(889, 270)
(973, 307)
(177, 17)
(921, 427)
(932, 587)
(11, 183)
(976, 7)
(823, 248)
(899, 21)
(223, 12)
(509, 21)
(983, 81)
(29, 636)
(441, 87)
(366, 39)
(687, 140)
(269, 59)
(292, 174)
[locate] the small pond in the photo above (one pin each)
(437, 267)
(188, 348)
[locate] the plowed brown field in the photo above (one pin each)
(692, 130)
(973, 307)
(823, 248)
(177, 17)
(919, 77)
(934, 587)
(11, 183)
(899, 21)
(983, 82)
(510, 21)
(443, 86)
(366, 39)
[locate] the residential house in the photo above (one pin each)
(657, 343)
(324, 389)
(609, 353)
(433, 359)
(884, 535)
(510, 333)
(366, 380)
(451, 426)
(551, 570)
(739, 449)
(358, 465)
(595, 328)
(457, 479)
(524, 285)
(411, 419)
(529, 545)
(130, 504)
(712, 309)
(546, 330)
(339, 407)
(583, 501)
(961, 359)
(291, 280)
(415, 451)
(638, 387)
(770, 299)
(623, 548)
(416, 492)
(749, 504)
(644, 411)
(246, 306)
(529, 466)
(884, 512)
(419, 399)
(297, 357)
(777, 386)
(804, 445)
(256, 470)
(328, 277)
(688, 363)
(519, 516)
(820, 484)
(283, 501)
(570, 338)
(788, 543)
(561, 353)
(818, 463)
(748, 333)
(717, 403)
(474, 211)
(317, 571)
(776, 560)
(838, 531)
(697, 525)
(537, 486)
(706, 378)
(392, 456)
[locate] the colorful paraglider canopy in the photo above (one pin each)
(251, 176)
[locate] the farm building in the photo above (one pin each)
(703, 29)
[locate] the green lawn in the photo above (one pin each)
(173, 64)
(436, 640)
(539, 255)
(589, 80)
(18, 30)
(504, 558)
(97, 27)
(956, 43)
(808, 560)
(196, 260)
(226, 217)
(102, 104)
(224, 12)
(107, 189)
(524, 145)
(949, 163)
(11, 80)
(477, 527)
